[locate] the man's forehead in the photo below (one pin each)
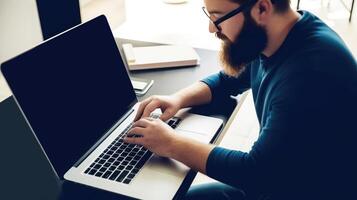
(219, 6)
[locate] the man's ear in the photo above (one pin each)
(261, 11)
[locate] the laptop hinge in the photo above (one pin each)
(103, 137)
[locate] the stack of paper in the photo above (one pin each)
(162, 56)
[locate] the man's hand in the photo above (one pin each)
(154, 135)
(197, 94)
(162, 140)
(169, 106)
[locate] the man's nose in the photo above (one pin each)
(212, 28)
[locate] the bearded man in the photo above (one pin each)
(304, 84)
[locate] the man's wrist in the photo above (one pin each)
(190, 152)
(176, 144)
(180, 100)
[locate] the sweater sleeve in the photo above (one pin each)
(223, 86)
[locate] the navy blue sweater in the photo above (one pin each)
(305, 97)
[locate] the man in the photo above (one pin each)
(303, 80)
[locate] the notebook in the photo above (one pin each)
(160, 56)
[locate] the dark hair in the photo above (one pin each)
(279, 5)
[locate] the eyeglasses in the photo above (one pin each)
(228, 15)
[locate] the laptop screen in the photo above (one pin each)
(72, 89)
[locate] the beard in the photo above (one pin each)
(249, 44)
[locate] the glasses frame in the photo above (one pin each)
(228, 15)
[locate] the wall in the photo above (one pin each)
(20, 30)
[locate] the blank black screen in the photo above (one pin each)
(72, 89)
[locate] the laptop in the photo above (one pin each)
(75, 93)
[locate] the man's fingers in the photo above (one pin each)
(134, 140)
(150, 108)
(143, 122)
(136, 131)
(141, 108)
(135, 136)
(166, 115)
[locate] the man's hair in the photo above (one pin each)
(279, 5)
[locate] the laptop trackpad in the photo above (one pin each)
(167, 166)
(194, 135)
(198, 127)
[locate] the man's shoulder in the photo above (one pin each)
(312, 34)
(323, 53)
(312, 46)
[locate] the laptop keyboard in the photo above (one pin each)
(121, 161)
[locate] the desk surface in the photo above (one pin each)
(167, 81)
(170, 80)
